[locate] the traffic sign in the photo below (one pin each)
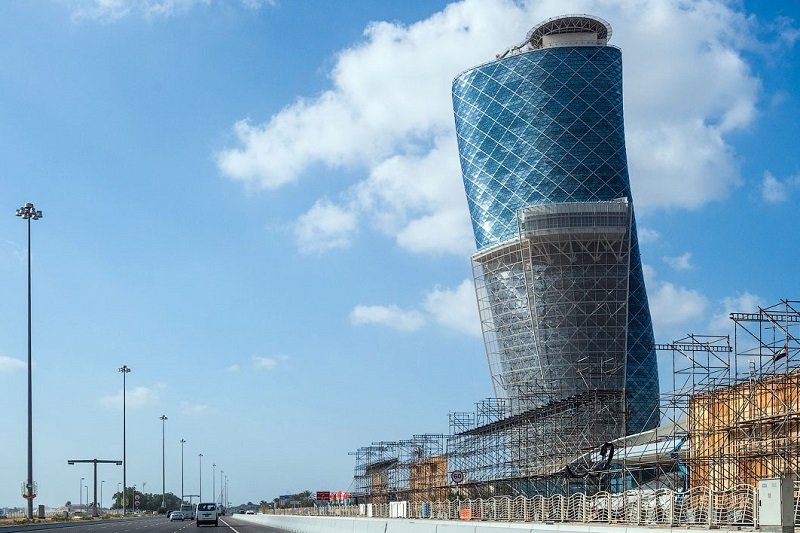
(457, 476)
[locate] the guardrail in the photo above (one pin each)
(55, 513)
(663, 507)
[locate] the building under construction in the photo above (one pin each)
(733, 417)
(564, 310)
(415, 469)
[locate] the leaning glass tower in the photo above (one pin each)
(557, 270)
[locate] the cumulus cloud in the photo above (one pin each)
(108, 11)
(190, 408)
(455, 309)
(775, 191)
(268, 363)
(325, 226)
(391, 94)
(390, 316)
(9, 364)
(675, 310)
(681, 262)
(647, 235)
(721, 324)
(135, 398)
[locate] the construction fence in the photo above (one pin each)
(700, 507)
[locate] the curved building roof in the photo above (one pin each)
(568, 24)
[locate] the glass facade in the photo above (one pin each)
(545, 128)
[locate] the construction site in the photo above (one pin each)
(731, 419)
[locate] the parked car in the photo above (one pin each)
(176, 515)
(206, 514)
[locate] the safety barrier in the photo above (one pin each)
(696, 507)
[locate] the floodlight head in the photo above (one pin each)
(70, 462)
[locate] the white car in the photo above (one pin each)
(176, 515)
(206, 514)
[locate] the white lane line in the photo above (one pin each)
(230, 526)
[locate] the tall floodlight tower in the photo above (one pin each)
(557, 270)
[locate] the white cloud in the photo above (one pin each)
(721, 323)
(113, 10)
(9, 364)
(772, 189)
(268, 363)
(391, 94)
(647, 235)
(675, 310)
(455, 309)
(775, 191)
(325, 227)
(681, 262)
(232, 368)
(135, 397)
(390, 316)
(190, 408)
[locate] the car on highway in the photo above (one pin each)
(206, 514)
(249, 511)
(176, 515)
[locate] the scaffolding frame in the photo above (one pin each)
(412, 469)
(742, 425)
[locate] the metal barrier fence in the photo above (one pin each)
(56, 513)
(663, 507)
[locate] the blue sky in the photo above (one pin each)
(257, 206)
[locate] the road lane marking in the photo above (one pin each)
(230, 526)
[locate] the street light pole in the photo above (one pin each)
(200, 455)
(125, 370)
(28, 212)
(214, 481)
(80, 493)
(221, 489)
(101, 493)
(183, 441)
(163, 478)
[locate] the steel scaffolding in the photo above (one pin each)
(739, 408)
(413, 470)
(732, 418)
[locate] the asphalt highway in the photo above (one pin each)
(227, 524)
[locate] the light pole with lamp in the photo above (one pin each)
(125, 371)
(200, 455)
(101, 493)
(221, 488)
(163, 490)
(80, 493)
(183, 441)
(214, 481)
(28, 212)
(87, 496)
